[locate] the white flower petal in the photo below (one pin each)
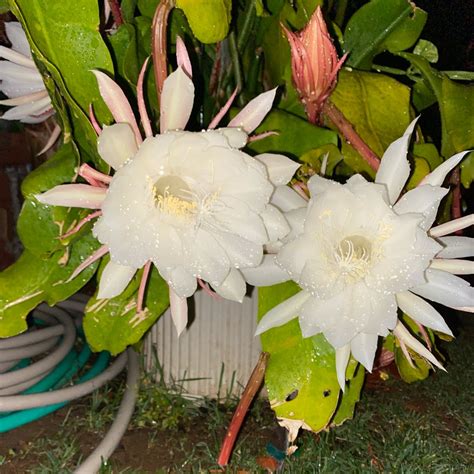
(177, 98)
(287, 199)
(25, 99)
(233, 287)
(242, 253)
(422, 312)
(17, 38)
(33, 109)
(250, 117)
(179, 312)
(437, 176)
(282, 313)
(237, 137)
(452, 226)
(74, 195)
(114, 279)
(275, 223)
(280, 168)
(363, 348)
(423, 200)
(456, 247)
(17, 58)
(402, 333)
(318, 185)
(266, 274)
(117, 144)
(183, 283)
(446, 289)
(342, 359)
(458, 267)
(394, 167)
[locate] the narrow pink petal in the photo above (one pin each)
(51, 140)
(452, 226)
(261, 136)
(99, 253)
(93, 120)
(401, 332)
(250, 117)
(141, 289)
(182, 57)
(81, 223)
(87, 172)
(177, 98)
(406, 354)
(179, 311)
(74, 195)
(141, 102)
(207, 290)
(215, 121)
(117, 102)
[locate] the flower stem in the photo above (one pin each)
(234, 54)
(254, 383)
(158, 42)
(350, 135)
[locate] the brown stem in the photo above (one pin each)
(456, 210)
(350, 135)
(251, 389)
(116, 12)
(158, 42)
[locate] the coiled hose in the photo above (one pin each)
(31, 390)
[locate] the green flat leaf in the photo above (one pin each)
(113, 325)
(350, 397)
(379, 109)
(410, 374)
(382, 25)
(427, 50)
(39, 226)
(128, 10)
(295, 135)
(125, 52)
(31, 280)
(4, 7)
(209, 19)
(301, 375)
(456, 103)
(147, 7)
(314, 158)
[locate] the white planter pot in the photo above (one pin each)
(218, 347)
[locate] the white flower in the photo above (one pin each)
(363, 254)
(192, 203)
(21, 81)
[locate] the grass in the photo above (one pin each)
(426, 427)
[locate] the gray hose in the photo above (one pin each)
(35, 342)
(32, 350)
(112, 439)
(48, 362)
(31, 337)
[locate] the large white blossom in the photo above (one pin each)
(365, 251)
(21, 80)
(192, 203)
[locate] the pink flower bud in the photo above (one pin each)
(314, 63)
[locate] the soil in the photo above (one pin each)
(144, 449)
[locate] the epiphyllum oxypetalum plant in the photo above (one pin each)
(191, 203)
(365, 252)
